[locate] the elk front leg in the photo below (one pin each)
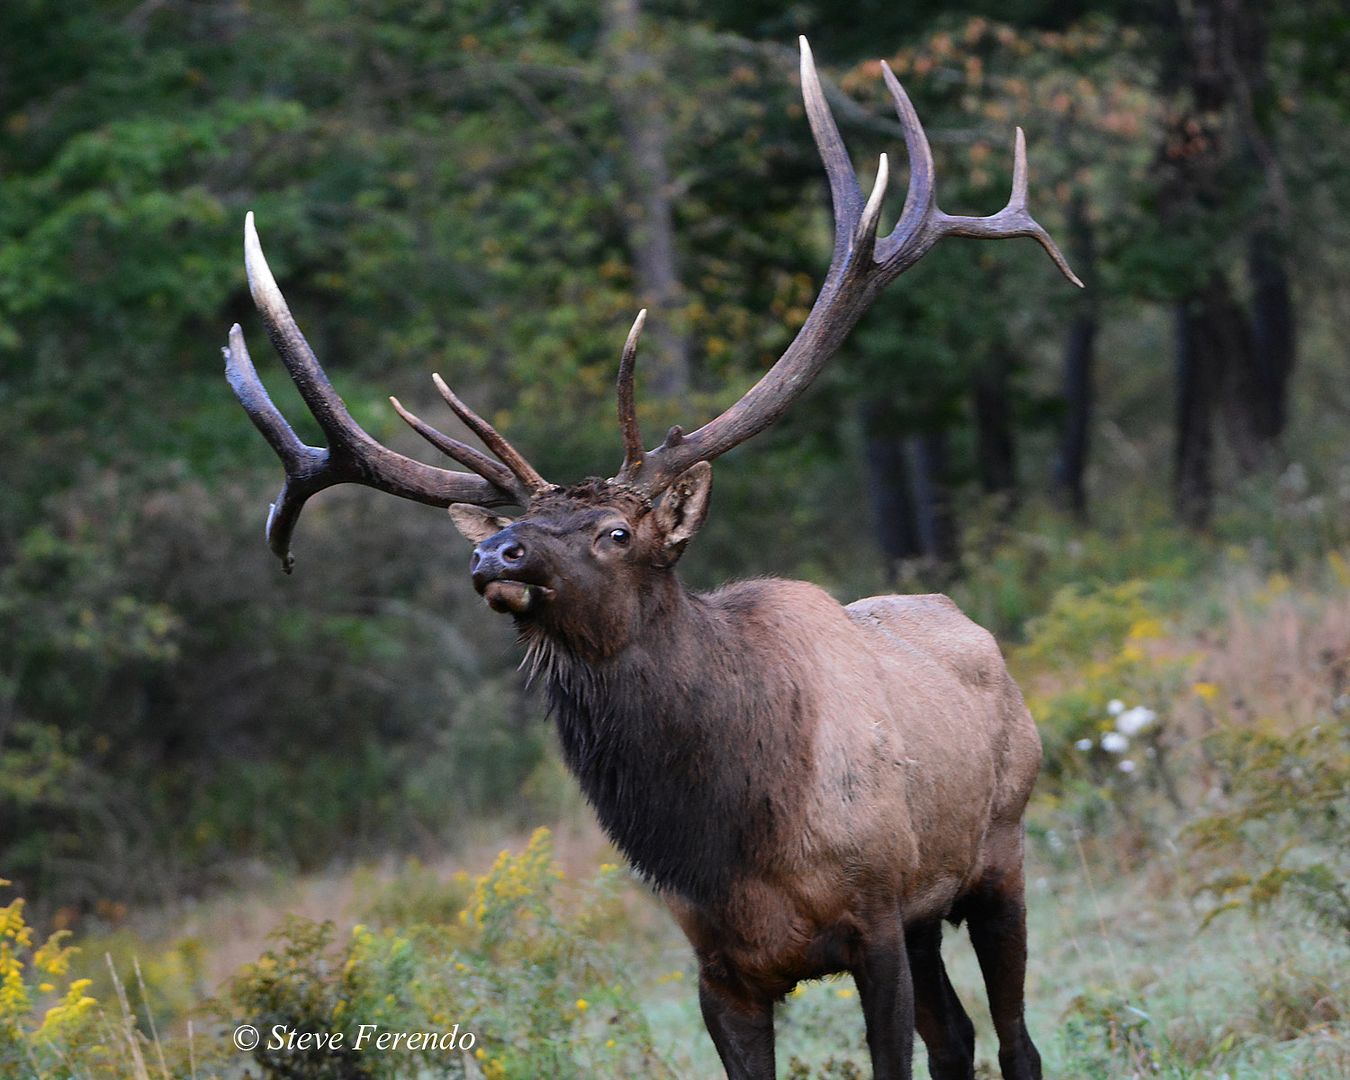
(942, 1022)
(887, 991)
(741, 1030)
(997, 918)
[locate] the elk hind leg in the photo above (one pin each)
(996, 915)
(941, 1021)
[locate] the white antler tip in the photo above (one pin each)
(808, 60)
(261, 282)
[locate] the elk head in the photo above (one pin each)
(582, 561)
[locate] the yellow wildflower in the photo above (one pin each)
(1146, 629)
(69, 1009)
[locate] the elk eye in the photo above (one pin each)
(620, 536)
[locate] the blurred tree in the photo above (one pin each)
(1080, 362)
(638, 89)
(1219, 182)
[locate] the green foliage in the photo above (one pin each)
(1109, 1035)
(522, 966)
(1280, 830)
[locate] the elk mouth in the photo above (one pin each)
(516, 597)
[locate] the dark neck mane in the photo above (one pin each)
(669, 741)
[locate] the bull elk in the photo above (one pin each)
(811, 788)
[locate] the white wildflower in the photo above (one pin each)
(1115, 707)
(1084, 745)
(1113, 742)
(1133, 721)
(1126, 766)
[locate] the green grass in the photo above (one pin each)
(1122, 982)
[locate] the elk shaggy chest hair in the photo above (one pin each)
(811, 788)
(691, 757)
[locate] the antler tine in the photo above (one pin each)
(289, 342)
(862, 265)
(479, 462)
(922, 223)
(266, 417)
(351, 455)
(845, 194)
(1013, 220)
(922, 175)
(865, 235)
(627, 409)
(300, 462)
(530, 480)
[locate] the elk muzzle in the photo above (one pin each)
(507, 574)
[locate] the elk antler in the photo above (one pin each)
(862, 265)
(351, 455)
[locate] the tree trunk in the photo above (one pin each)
(1221, 150)
(1273, 337)
(648, 213)
(934, 517)
(1228, 335)
(1079, 363)
(888, 490)
(995, 448)
(911, 503)
(1197, 386)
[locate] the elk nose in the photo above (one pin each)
(500, 556)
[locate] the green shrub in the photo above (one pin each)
(521, 966)
(1280, 830)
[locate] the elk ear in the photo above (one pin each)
(682, 510)
(476, 524)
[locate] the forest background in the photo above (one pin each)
(1142, 488)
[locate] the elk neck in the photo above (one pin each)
(686, 745)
